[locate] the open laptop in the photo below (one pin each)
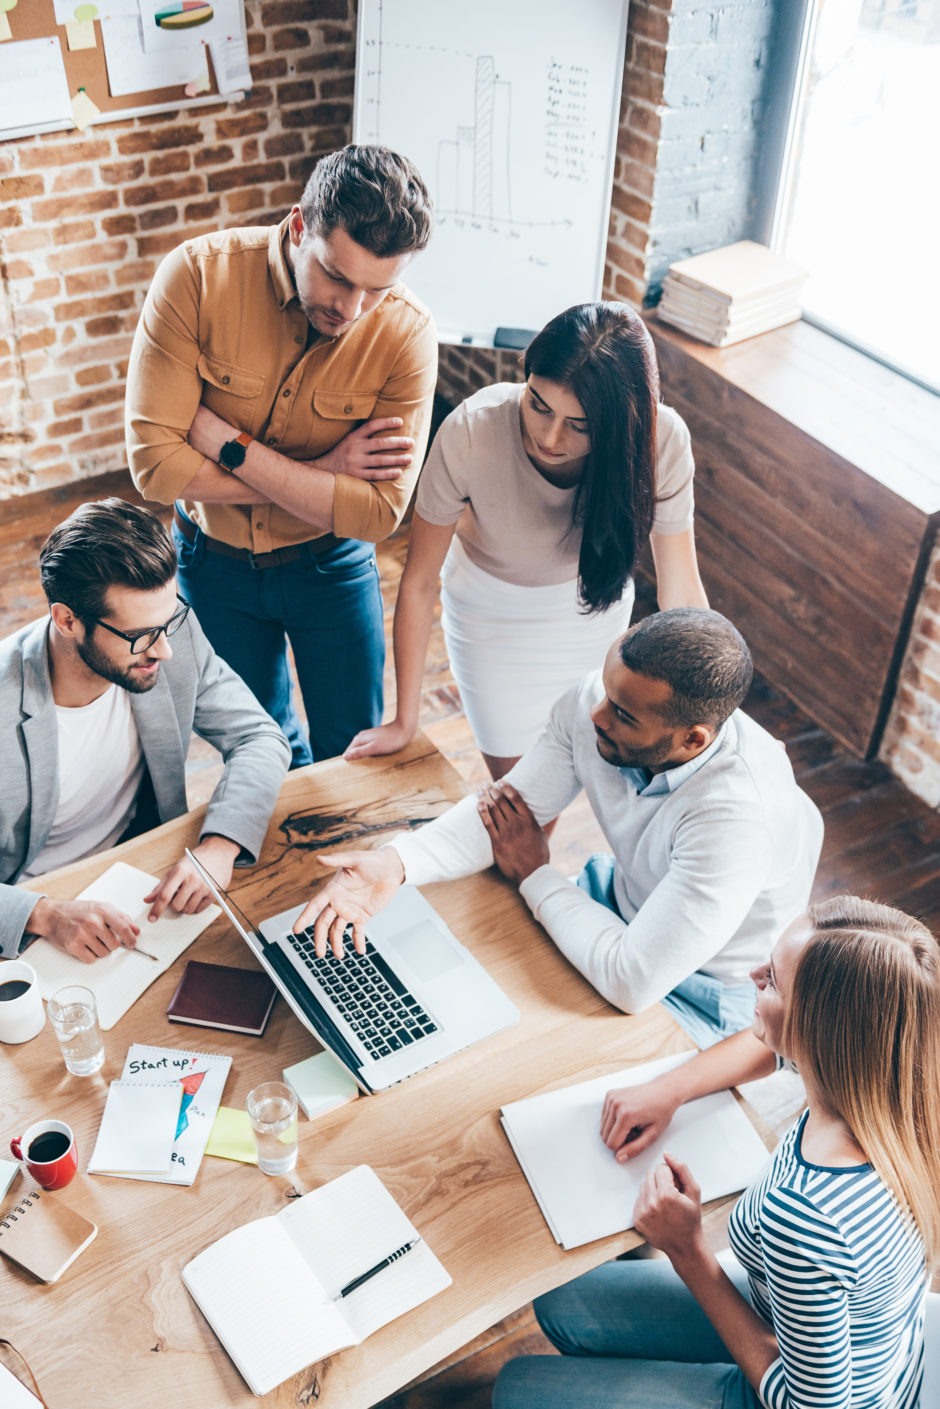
(416, 997)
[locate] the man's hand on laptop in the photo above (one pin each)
(86, 929)
(520, 845)
(364, 883)
(183, 889)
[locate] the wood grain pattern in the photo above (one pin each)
(122, 1330)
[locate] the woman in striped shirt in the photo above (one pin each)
(835, 1240)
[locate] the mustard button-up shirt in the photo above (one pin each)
(222, 326)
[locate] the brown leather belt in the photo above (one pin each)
(275, 559)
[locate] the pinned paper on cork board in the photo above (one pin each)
(104, 60)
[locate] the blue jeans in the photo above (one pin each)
(631, 1336)
(707, 1008)
(328, 605)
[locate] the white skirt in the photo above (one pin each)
(514, 650)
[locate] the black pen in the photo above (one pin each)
(379, 1267)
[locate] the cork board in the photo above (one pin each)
(86, 68)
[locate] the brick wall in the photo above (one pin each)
(85, 219)
(911, 745)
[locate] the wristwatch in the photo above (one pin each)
(232, 454)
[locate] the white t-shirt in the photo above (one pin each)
(101, 765)
(510, 521)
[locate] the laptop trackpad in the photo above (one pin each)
(425, 950)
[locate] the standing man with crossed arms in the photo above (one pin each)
(279, 391)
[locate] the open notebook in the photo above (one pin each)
(581, 1189)
(119, 980)
(267, 1288)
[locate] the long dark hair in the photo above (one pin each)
(603, 354)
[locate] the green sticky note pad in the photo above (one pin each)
(9, 1169)
(85, 13)
(231, 1136)
(320, 1084)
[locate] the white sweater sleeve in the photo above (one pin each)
(457, 844)
(716, 871)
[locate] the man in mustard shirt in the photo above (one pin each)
(279, 394)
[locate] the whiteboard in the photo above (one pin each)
(509, 109)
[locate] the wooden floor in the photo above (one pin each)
(881, 841)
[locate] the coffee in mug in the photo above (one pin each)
(48, 1150)
(22, 1014)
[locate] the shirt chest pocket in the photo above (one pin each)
(224, 381)
(335, 413)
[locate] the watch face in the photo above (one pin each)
(232, 455)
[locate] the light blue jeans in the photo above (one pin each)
(708, 1009)
(631, 1336)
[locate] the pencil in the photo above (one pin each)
(145, 952)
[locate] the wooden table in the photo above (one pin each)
(120, 1331)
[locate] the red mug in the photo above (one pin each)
(51, 1155)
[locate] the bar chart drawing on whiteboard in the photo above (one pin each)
(509, 112)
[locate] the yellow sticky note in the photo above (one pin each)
(5, 30)
(84, 110)
(80, 34)
(231, 1136)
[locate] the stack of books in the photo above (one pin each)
(732, 293)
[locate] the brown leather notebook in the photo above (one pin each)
(214, 995)
(44, 1235)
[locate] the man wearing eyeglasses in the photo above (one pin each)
(97, 705)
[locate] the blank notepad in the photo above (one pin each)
(138, 1128)
(267, 1288)
(579, 1186)
(119, 980)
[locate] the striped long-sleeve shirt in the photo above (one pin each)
(839, 1273)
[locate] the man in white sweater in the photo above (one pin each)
(714, 844)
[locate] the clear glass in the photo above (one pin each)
(75, 1020)
(861, 204)
(272, 1110)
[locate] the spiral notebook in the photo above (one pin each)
(44, 1235)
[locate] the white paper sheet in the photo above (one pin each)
(156, 40)
(119, 980)
(230, 61)
(14, 1394)
(348, 1226)
(131, 69)
(583, 1192)
(202, 1078)
(33, 86)
(137, 1129)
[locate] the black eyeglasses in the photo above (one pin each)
(140, 641)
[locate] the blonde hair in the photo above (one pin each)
(864, 1022)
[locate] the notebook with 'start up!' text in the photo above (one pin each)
(44, 1235)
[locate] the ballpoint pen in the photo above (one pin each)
(379, 1267)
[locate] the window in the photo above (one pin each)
(859, 202)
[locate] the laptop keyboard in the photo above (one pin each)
(369, 995)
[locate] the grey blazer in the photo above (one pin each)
(196, 691)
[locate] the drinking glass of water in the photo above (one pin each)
(272, 1110)
(75, 1020)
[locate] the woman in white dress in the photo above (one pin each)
(541, 497)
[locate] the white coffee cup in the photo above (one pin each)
(24, 1016)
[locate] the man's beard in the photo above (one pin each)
(650, 757)
(128, 679)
